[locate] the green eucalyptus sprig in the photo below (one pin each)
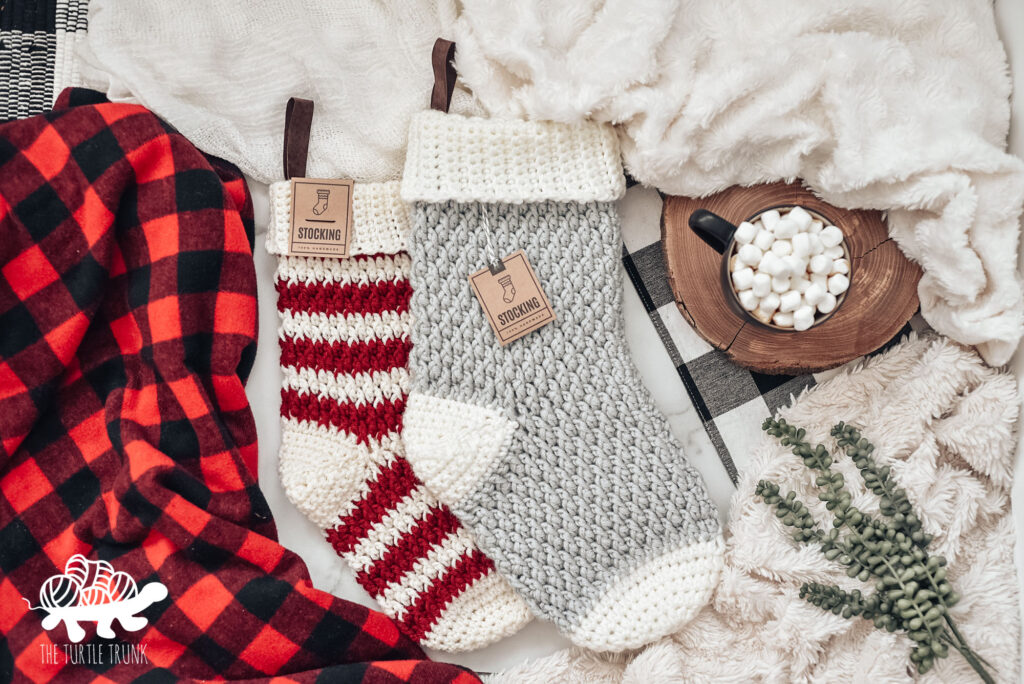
(889, 551)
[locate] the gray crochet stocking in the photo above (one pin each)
(550, 450)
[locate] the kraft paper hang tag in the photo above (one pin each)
(512, 299)
(321, 216)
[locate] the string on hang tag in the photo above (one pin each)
(493, 262)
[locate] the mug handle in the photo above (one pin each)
(712, 229)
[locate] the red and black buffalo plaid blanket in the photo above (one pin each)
(127, 330)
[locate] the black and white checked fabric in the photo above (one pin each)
(37, 42)
(730, 402)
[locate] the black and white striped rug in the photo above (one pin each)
(37, 40)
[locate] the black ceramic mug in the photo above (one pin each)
(719, 234)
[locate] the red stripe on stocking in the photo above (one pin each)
(411, 547)
(429, 605)
(334, 298)
(345, 357)
(393, 483)
(365, 422)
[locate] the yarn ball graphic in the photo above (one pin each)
(101, 572)
(119, 587)
(60, 591)
(93, 596)
(78, 568)
(87, 583)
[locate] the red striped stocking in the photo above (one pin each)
(344, 346)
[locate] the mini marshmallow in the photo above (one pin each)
(821, 264)
(801, 245)
(780, 284)
(763, 316)
(796, 266)
(771, 264)
(770, 303)
(834, 252)
(750, 254)
(743, 279)
(828, 304)
(831, 236)
(764, 240)
(815, 226)
(783, 320)
(748, 300)
(838, 284)
(801, 285)
(745, 233)
(801, 218)
(762, 284)
(841, 266)
(782, 247)
(803, 318)
(789, 301)
(814, 294)
(785, 228)
(770, 218)
(816, 245)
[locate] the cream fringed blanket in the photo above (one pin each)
(947, 424)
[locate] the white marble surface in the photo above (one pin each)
(641, 213)
(1010, 19)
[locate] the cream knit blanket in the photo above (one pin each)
(947, 425)
(221, 73)
(899, 106)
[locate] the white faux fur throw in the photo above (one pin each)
(901, 106)
(221, 73)
(947, 424)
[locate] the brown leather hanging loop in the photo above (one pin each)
(298, 117)
(444, 74)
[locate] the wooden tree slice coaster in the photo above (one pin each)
(881, 299)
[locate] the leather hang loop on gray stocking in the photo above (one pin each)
(444, 74)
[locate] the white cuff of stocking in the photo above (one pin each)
(380, 219)
(470, 159)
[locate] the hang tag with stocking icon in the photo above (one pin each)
(321, 217)
(511, 297)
